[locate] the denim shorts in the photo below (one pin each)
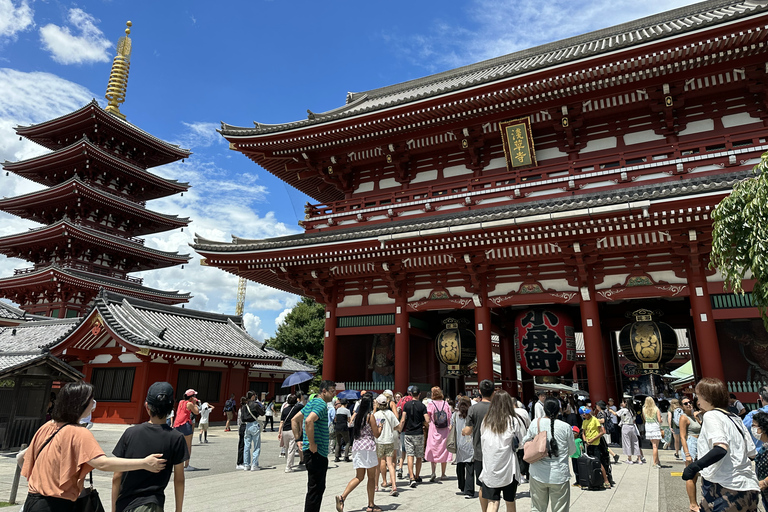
(185, 429)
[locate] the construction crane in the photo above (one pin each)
(241, 296)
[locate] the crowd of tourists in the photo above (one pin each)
(492, 439)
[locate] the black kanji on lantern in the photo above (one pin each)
(541, 342)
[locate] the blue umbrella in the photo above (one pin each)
(296, 378)
(349, 394)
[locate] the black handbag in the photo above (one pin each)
(89, 500)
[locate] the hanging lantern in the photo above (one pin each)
(455, 346)
(630, 370)
(649, 344)
(546, 342)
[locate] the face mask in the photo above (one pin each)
(755, 433)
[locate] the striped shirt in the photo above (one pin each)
(319, 407)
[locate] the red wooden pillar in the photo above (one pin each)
(329, 346)
(593, 344)
(402, 346)
(143, 387)
(508, 366)
(483, 335)
(707, 346)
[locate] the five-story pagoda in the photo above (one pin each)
(93, 209)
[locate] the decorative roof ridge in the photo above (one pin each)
(94, 104)
(743, 8)
(76, 180)
(157, 331)
(163, 308)
(43, 323)
(111, 281)
(67, 223)
(559, 204)
(7, 165)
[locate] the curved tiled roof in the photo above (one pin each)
(32, 337)
(173, 148)
(179, 329)
(634, 33)
(719, 182)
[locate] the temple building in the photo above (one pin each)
(578, 177)
(93, 208)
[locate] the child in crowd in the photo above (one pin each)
(142, 490)
(205, 412)
(579, 450)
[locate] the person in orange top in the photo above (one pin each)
(62, 453)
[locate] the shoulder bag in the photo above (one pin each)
(536, 449)
(450, 445)
(89, 500)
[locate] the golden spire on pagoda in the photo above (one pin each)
(118, 78)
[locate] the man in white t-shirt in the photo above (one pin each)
(538, 408)
(205, 413)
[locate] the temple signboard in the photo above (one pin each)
(518, 143)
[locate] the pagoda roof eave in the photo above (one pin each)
(36, 132)
(21, 203)
(66, 228)
(87, 280)
(635, 33)
(541, 210)
(32, 166)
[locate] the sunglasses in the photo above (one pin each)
(686, 403)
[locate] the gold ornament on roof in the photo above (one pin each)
(118, 78)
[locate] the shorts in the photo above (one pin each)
(229, 415)
(204, 427)
(186, 429)
(693, 445)
(364, 459)
(414, 445)
(385, 450)
(494, 494)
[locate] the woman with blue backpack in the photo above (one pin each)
(437, 439)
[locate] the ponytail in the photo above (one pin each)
(552, 409)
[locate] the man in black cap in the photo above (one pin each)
(411, 425)
(142, 491)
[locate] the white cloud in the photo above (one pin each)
(14, 18)
(200, 135)
(493, 28)
(253, 326)
(281, 317)
(89, 45)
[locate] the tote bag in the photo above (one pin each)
(536, 449)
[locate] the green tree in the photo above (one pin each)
(301, 334)
(740, 236)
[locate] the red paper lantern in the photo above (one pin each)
(546, 342)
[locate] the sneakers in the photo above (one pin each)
(642, 460)
(630, 462)
(433, 478)
(241, 466)
(190, 468)
(255, 468)
(418, 479)
(677, 456)
(412, 483)
(289, 470)
(206, 441)
(616, 459)
(400, 475)
(656, 466)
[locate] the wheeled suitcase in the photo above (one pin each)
(590, 472)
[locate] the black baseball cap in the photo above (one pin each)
(413, 389)
(160, 393)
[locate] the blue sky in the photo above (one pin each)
(197, 63)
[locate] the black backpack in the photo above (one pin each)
(441, 417)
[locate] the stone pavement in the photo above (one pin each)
(218, 484)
